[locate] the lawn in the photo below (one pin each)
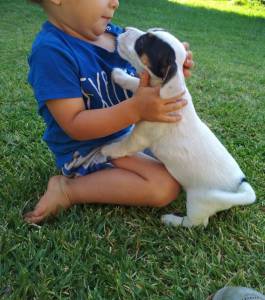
(110, 252)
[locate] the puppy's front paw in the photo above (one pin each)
(107, 151)
(112, 151)
(118, 75)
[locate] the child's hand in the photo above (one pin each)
(189, 63)
(150, 107)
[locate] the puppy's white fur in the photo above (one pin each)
(189, 150)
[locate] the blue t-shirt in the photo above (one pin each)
(62, 66)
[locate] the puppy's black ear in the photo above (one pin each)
(144, 43)
(163, 60)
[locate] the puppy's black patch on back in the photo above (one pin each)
(160, 54)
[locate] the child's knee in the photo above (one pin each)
(165, 192)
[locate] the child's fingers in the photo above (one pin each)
(170, 118)
(171, 107)
(189, 63)
(186, 45)
(175, 99)
(144, 79)
(189, 55)
(187, 73)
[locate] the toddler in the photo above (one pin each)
(70, 72)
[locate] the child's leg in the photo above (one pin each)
(138, 180)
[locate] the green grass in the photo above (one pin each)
(109, 252)
(243, 7)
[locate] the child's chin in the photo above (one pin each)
(99, 31)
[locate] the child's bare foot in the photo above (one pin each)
(54, 199)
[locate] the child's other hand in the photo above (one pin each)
(150, 107)
(189, 63)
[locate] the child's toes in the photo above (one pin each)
(33, 219)
(54, 199)
(37, 215)
(33, 216)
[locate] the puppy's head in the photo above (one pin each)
(156, 51)
(157, 55)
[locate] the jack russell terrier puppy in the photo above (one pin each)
(191, 153)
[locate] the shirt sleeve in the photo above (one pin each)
(53, 74)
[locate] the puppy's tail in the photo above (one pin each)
(243, 196)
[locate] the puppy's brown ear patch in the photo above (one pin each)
(150, 35)
(169, 72)
(145, 60)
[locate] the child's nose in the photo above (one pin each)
(114, 4)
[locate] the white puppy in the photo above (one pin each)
(189, 150)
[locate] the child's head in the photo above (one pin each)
(87, 18)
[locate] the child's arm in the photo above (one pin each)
(82, 124)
